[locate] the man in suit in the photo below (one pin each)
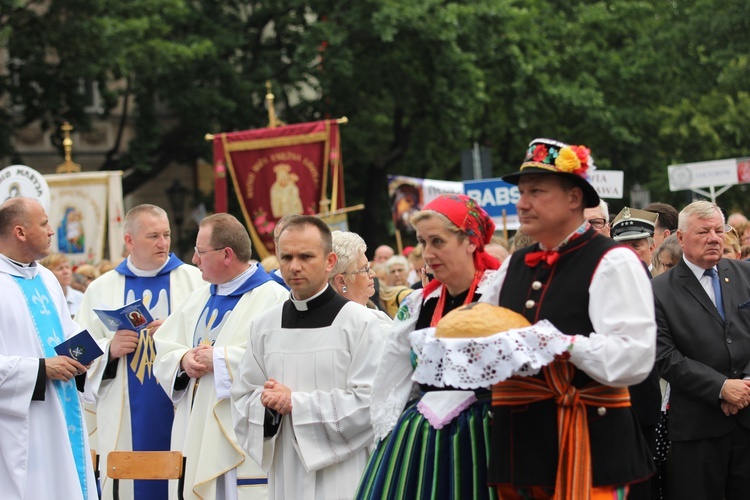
(703, 351)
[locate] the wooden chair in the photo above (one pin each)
(145, 465)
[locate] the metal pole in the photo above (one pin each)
(476, 161)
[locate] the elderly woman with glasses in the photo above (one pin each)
(352, 275)
(732, 248)
(419, 457)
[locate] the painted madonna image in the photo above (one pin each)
(70, 233)
(285, 198)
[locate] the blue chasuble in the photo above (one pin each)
(50, 331)
(218, 307)
(151, 410)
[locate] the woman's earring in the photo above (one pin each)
(344, 289)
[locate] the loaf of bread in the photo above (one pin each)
(478, 319)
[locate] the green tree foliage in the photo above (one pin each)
(643, 84)
(706, 111)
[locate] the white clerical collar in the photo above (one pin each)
(301, 305)
(28, 271)
(144, 274)
(21, 264)
(230, 286)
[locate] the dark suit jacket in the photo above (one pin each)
(696, 351)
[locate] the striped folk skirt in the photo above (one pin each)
(417, 461)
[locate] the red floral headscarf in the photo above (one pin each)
(473, 221)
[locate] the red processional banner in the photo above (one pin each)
(279, 171)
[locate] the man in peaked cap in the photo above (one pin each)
(635, 228)
(574, 279)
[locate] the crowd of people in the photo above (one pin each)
(318, 374)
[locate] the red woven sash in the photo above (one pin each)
(574, 464)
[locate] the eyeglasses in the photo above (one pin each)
(730, 229)
(200, 253)
(366, 270)
(598, 223)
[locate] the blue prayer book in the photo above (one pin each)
(133, 316)
(82, 347)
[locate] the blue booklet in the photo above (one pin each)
(82, 347)
(133, 316)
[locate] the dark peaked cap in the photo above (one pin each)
(633, 224)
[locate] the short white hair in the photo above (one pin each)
(348, 247)
(604, 207)
(702, 209)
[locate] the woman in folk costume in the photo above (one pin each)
(416, 458)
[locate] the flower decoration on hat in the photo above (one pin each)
(540, 153)
(559, 157)
(573, 159)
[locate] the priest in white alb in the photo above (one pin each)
(132, 411)
(302, 392)
(44, 449)
(199, 348)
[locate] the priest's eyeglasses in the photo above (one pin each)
(598, 223)
(201, 253)
(366, 270)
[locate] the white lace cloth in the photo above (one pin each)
(475, 363)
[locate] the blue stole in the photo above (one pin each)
(218, 308)
(50, 332)
(276, 276)
(151, 410)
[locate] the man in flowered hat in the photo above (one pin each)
(569, 431)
